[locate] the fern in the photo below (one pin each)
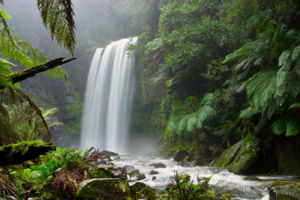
(283, 76)
(287, 124)
(188, 116)
(58, 17)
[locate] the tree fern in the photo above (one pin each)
(188, 116)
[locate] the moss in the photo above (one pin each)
(104, 188)
(26, 150)
(240, 157)
(142, 191)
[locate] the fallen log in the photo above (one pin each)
(14, 154)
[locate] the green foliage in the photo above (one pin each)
(287, 124)
(190, 116)
(56, 175)
(58, 17)
(181, 187)
(46, 113)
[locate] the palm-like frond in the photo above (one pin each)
(188, 116)
(58, 17)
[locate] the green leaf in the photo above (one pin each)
(4, 14)
(279, 126)
(295, 105)
(296, 53)
(293, 127)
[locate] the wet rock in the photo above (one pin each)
(118, 172)
(252, 178)
(285, 192)
(141, 177)
(181, 156)
(142, 191)
(240, 157)
(108, 153)
(137, 175)
(158, 165)
(153, 172)
(128, 169)
(104, 188)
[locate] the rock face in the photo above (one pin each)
(181, 156)
(285, 192)
(103, 189)
(240, 157)
(158, 165)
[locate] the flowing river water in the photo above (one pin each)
(240, 187)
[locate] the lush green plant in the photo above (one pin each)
(56, 174)
(181, 187)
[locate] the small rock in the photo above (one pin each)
(141, 177)
(108, 153)
(153, 172)
(128, 169)
(158, 165)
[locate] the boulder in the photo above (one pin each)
(181, 156)
(240, 157)
(285, 192)
(153, 172)
(158, 165)
(103, 189)
(142, 191)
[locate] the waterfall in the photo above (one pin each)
(108, 98)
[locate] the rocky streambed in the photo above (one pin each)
(156, 172)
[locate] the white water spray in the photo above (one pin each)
(108, 98)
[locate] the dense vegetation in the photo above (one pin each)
(229, 69)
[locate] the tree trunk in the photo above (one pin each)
(14, 154)
(197, 143)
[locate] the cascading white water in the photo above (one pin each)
(108, 98)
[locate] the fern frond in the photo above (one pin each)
(58, 17)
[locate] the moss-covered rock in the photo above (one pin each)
(142, 191)
(241, 156)
(289, 160)
(13, 154)
(103, 189)
(285, 192)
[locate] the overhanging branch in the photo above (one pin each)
(26, 73)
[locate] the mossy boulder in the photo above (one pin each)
(182, 155)
(142, 191)
(285, 192)
(240, 157)
(103, 189)
(289, 160)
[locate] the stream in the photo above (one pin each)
(240, 187)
